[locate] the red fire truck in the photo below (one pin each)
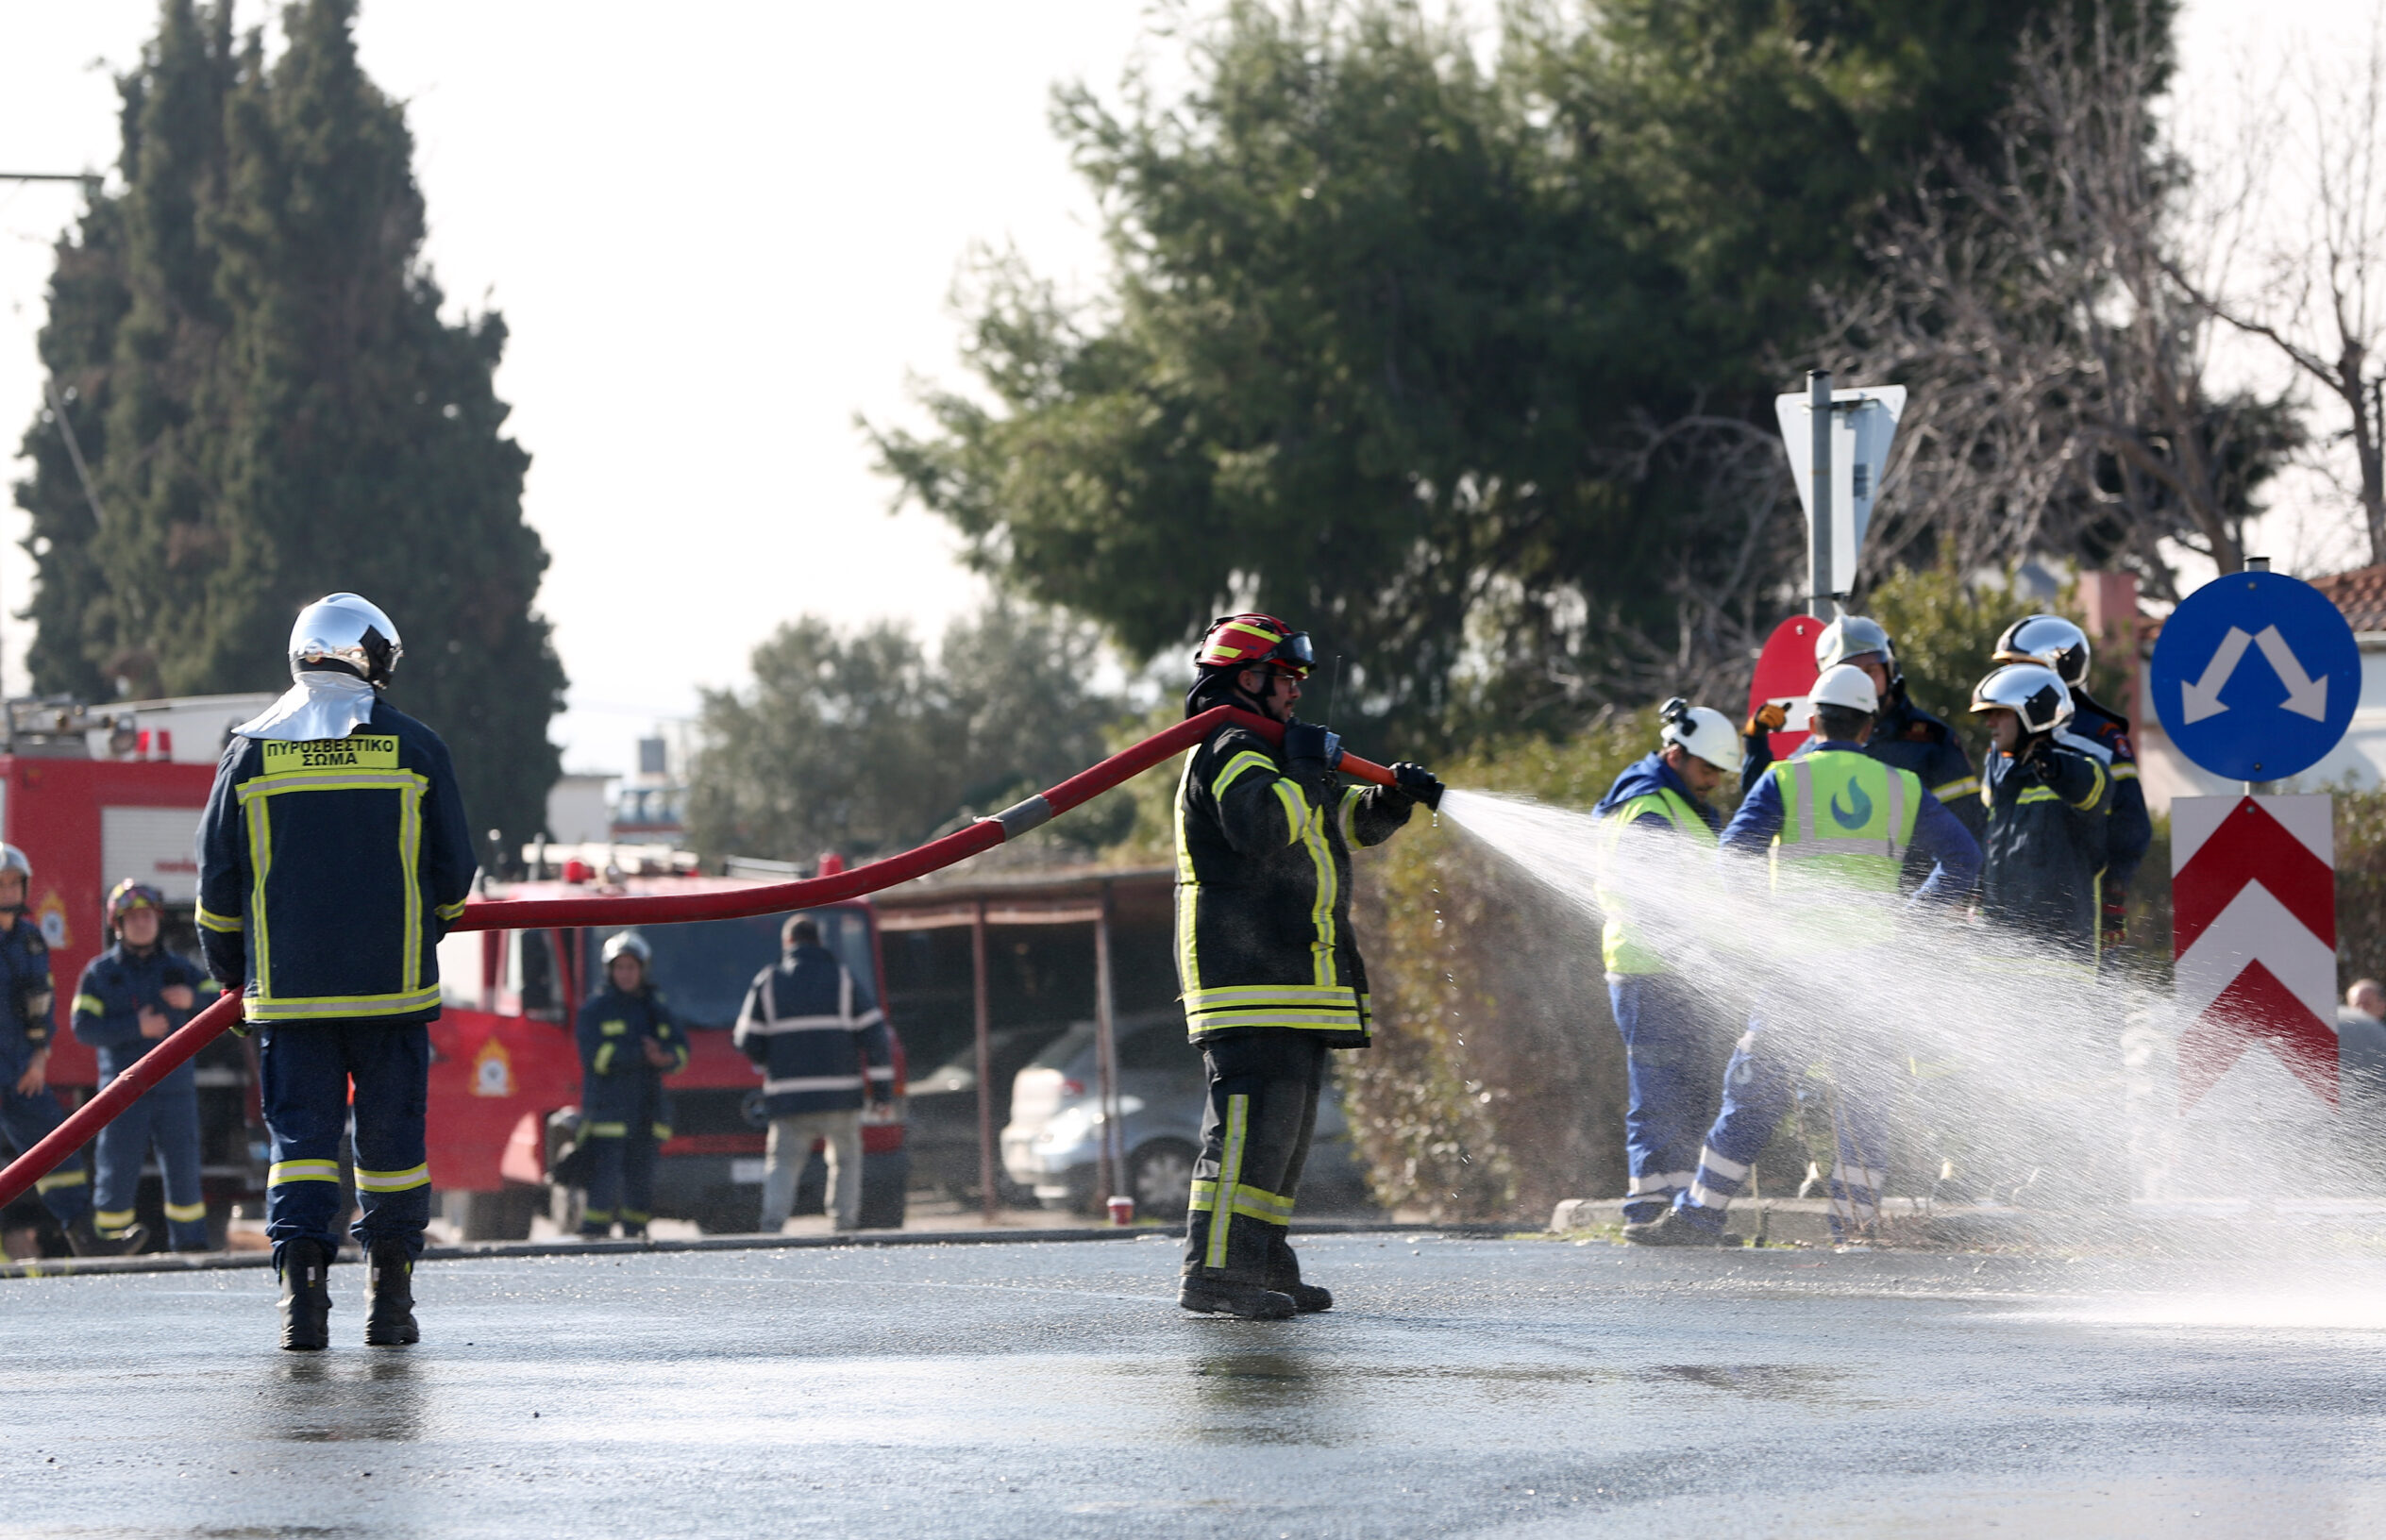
(505, 1063)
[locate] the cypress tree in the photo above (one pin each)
(250, 354)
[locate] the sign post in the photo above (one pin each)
(1839, 447)
(2255, 678)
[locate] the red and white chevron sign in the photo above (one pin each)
(2253, 895)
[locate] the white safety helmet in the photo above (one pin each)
(2032, 692)
(1848, 687)
(2046, 638)
(13, 859)
(345, 629)
(628, 944)
(1852, 636)
(1703, 732)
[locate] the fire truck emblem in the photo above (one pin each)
(492, 1070)
(50, 914)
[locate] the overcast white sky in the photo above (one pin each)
(717, 231)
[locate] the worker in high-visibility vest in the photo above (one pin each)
(1835, 825)
(1656, 813)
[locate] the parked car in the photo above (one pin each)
(943, 1110)
(1052, 1145)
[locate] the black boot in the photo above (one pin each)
(1678, 1228)
(1283, 1277)
(1207, 1294)
(306, 1297)
(88, 1242)
(389, 1275)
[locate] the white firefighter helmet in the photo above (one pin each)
(2032, 692)
(1703, 732)
(1852, 636)
(628, 944)
(13, 859)
(2046, 638)
(1848, 687)
(345, 629)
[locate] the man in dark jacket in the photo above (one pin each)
(333, 854)
(2047, 814)
(131, 997)
(628, 1043)
(2102, 734)
(27, 1026)
(1270, 973)
(822, 1044)
(1671, 1064)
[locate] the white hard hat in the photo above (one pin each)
(2046, 638)
(1846, 686)
(1703, 731)
(345, 629)
(1852, 636)
(626, 944)
(2032, 692)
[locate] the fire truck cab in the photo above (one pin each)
(505, 1062)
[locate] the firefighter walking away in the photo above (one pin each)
(1270, 972)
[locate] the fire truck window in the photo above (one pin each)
(534, 972)
(705, 968)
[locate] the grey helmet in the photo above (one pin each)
(628, 944)
(1852, 636)
(2050, 640)
(345, 629)
(2032, 692)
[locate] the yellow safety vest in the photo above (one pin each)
(1846, 820)
(1621, 948)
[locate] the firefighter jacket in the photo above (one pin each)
(618, 1086)
(115, 987)
(27, 1023)
(2047, 823)
(329, 868)
(1649, 798)
(1263, 894)
(819, 1040)
(1835, 818)
(1909, 738)
(2130, 828)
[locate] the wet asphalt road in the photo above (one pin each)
(1462, 1387)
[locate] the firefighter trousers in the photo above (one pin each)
(168, 1116)
(621, 1153)
(307, 1070)
(26, 1121)
(1671, 1070)
(1256, 1124)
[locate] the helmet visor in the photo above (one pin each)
(1293, 656)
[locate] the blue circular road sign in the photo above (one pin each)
(2256, 676)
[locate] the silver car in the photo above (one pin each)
(1052, 1145)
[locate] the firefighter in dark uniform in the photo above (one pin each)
(628, 1043)
(2048, 818)
(1905, 737)
(333, 855)
(27, 1110)
(1270, 972)
(2101, 732)
(131, 997)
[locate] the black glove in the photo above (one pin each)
(2039, 765)
(1311, 752)
(227, 959)
(1417, 783)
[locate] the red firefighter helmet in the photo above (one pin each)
(129, 894)
(1255, 641)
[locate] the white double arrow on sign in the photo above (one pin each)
(2305, 696)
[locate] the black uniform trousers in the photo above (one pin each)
(1261, 1112)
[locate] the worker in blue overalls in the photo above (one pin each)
(27, 1110)
(333, 855)
(131, 997)
(628, 1043)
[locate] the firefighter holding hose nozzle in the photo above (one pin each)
(1270, 973)
(333, 854)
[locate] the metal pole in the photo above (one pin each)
(1106, 1051)
(993, 1198)
(1820, 587)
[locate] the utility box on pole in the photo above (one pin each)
(1839, 465)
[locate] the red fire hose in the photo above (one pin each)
(520, 915)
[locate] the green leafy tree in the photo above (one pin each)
(866, 744)
(254, 366)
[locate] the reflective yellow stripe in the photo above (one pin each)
(333, 1006)
(260, 857)
(1230, 1176)
(661, 1132)
(596, 1216)
(230, 925)
(1350, 795)
(1234, 770)
(606, 1131)
(1322, 1021)
(2095, 793)
(633, 1216)
(186, 1213)
(2124, 772)
(89, 1005)
(1296, 810)
(1189, 890)
(1307, 996)
(613, 1028)
(391, 1182)
(2037, 793)
(1954, 789)
(115, 1219)
(410, 859)
(604, 1063)
(1250, 1202)
(283, 1171)
(57, 1180)
(450, 911)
